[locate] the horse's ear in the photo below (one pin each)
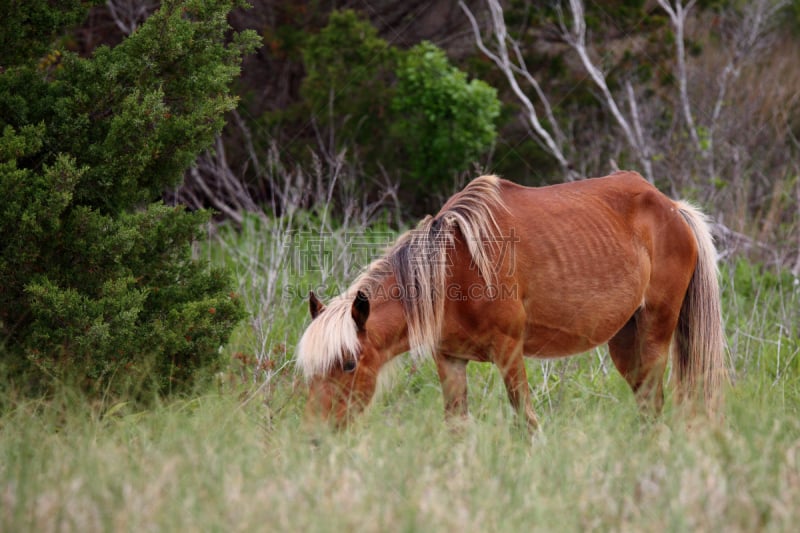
(360, 310)
(314, 305)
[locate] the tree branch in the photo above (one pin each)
(576, 38)
(501, 58)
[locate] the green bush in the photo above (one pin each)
(444, 121)
(35, 23)
(348, 81)
(97, 278)
(409, 111)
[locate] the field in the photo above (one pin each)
(237, 456)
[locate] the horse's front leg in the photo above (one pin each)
(512, 368)
(453, 376)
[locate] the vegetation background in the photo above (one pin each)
(147, 344)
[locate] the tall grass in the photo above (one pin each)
(211, 464)
(246, 462)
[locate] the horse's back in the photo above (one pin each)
(618, 191)
(590, 217)
(586, 256)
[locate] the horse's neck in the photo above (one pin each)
(387, 326)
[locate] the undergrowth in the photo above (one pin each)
(239, 457)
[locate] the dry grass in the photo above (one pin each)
(208, 464)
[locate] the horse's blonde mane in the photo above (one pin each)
(419, 261)
(329, 336)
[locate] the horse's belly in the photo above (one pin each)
(562, 323)
(544, 342)
(579, 298)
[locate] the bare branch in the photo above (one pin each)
(754, 23)
(214, 199)
(212, 182)
(576, 38)
(746, 41)
(677, 16)
(522, 70)
(501, 58)
(128, 14)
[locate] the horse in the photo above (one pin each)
(504, 272)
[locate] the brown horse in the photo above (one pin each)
(505, 271)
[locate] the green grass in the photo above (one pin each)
(239, 457)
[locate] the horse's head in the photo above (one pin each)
(338, 359)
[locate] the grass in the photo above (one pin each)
(239, 458)
(211, 464)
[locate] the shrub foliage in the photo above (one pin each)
(410, 111)
(97, 278)
(445, 121)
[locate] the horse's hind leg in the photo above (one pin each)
(519, 394)
(515, 378)
(640, 351)
(453, 377)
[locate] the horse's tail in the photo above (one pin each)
(699, 344)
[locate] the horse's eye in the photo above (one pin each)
(349, 365)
